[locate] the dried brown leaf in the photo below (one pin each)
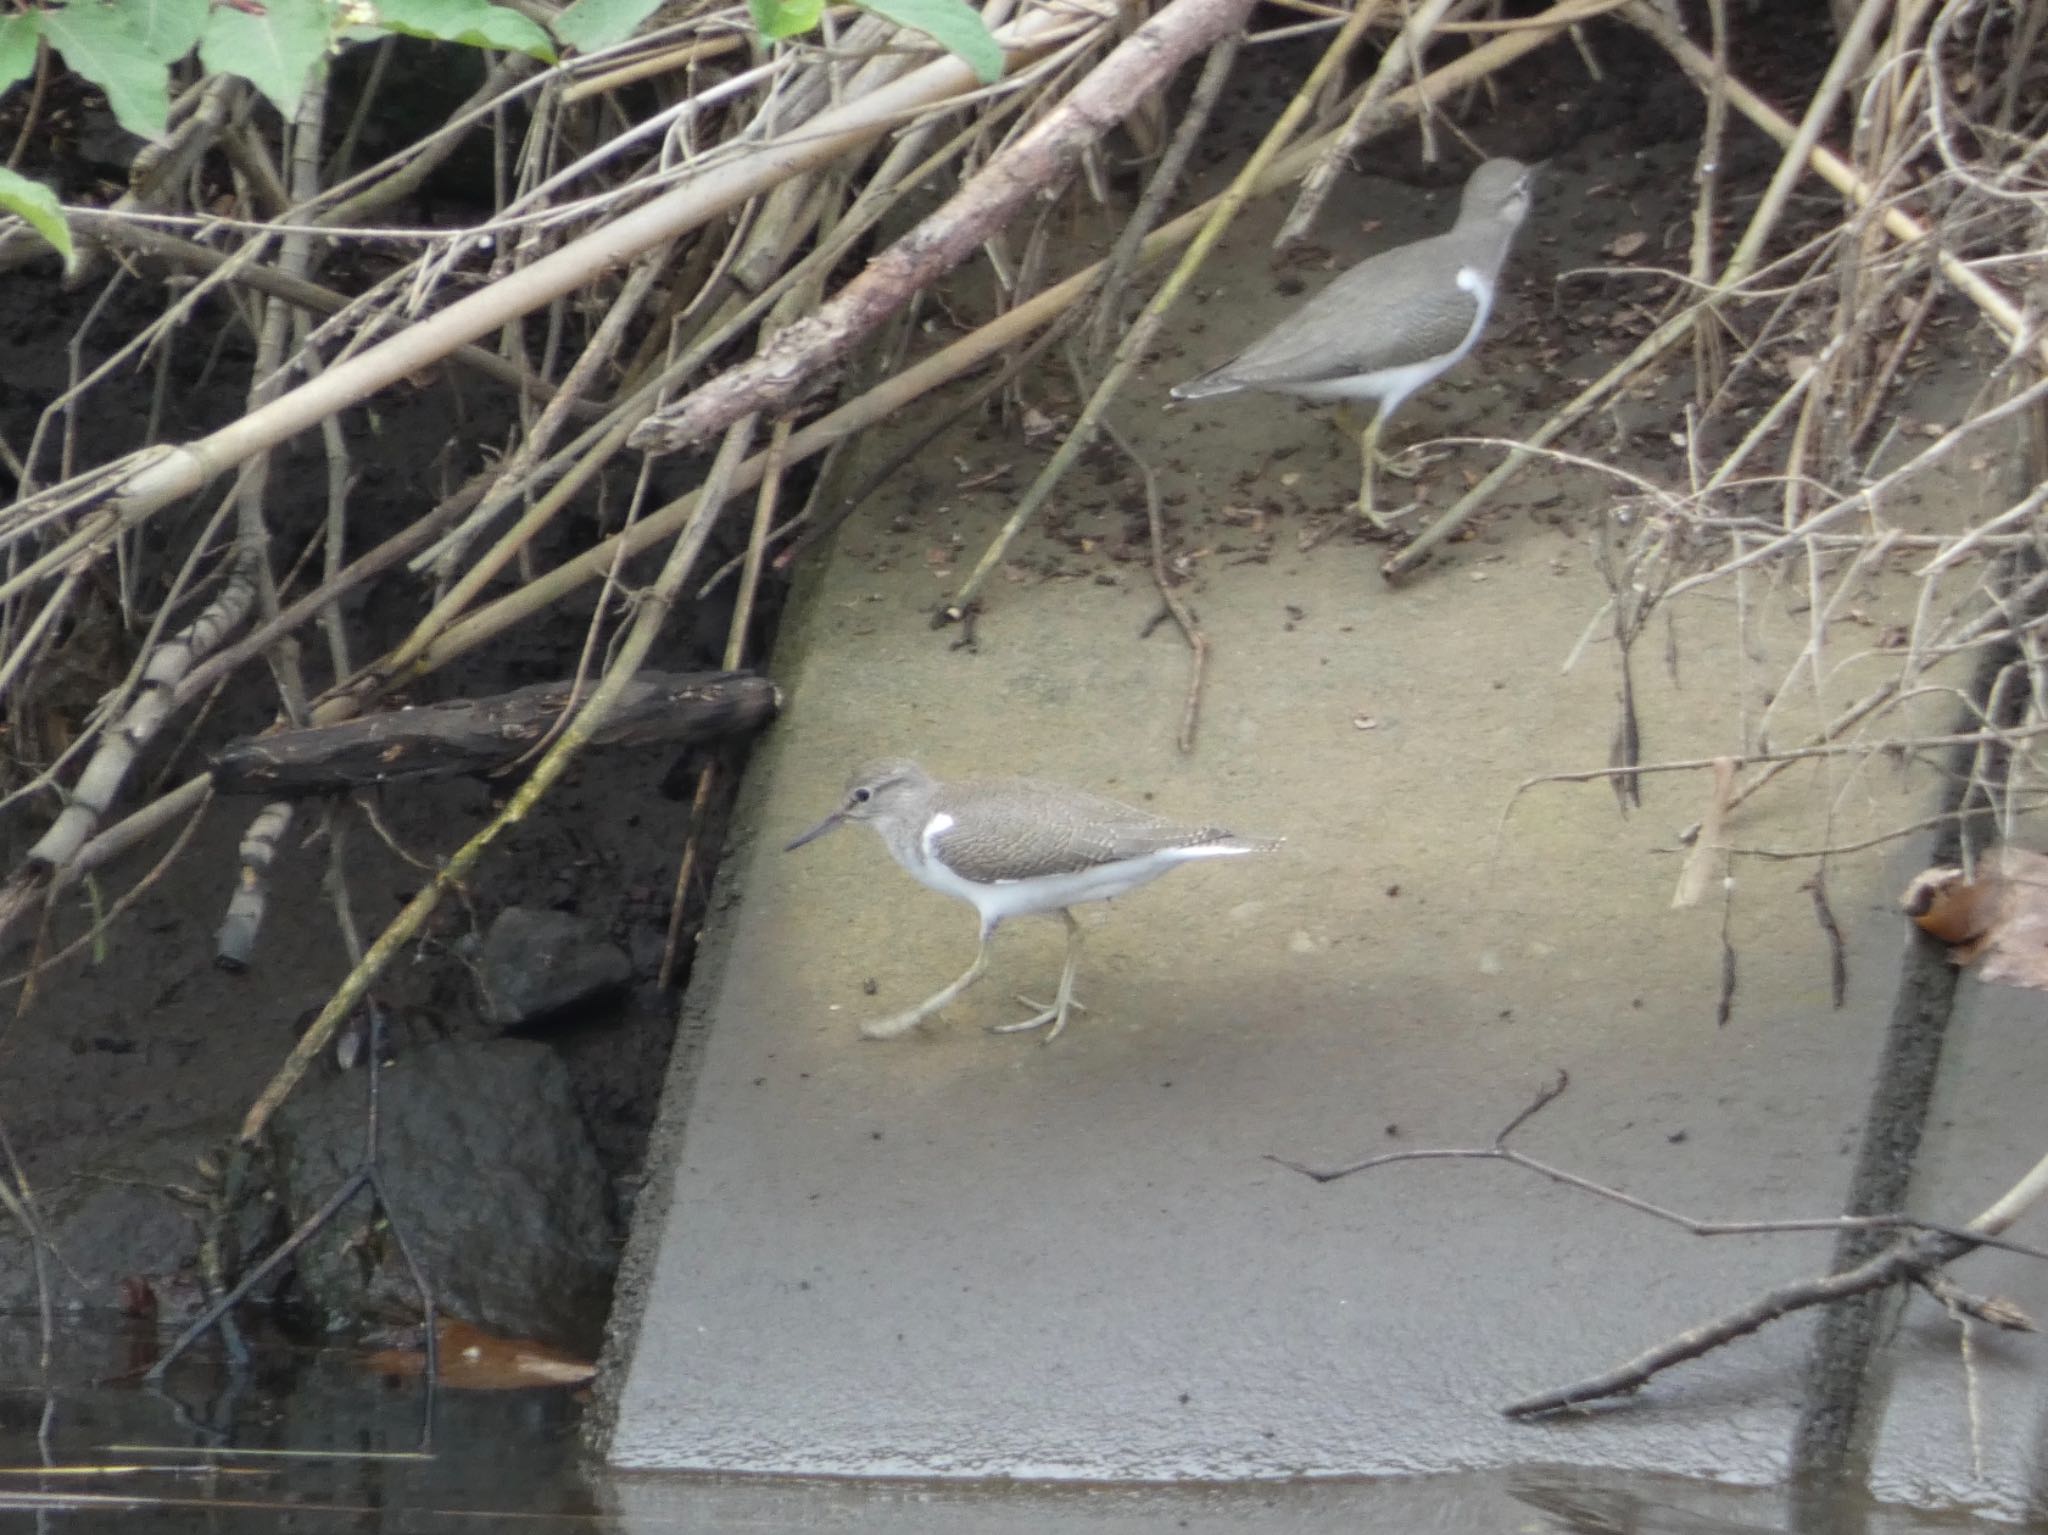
(474, 1360)
(1999, 919)
(1697, 876)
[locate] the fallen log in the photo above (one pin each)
(485, 735)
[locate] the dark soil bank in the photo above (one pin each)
(131, 1062)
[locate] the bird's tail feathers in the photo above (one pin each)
(1212, 383)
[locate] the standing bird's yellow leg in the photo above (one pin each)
(1355, 423)
(1056, 1015)
(1369, 456)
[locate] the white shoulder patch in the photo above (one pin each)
(1473, 283)
(934, 829)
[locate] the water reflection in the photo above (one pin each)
(310, 1440)
(307, 1439)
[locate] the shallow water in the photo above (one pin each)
(311, 1440)
(307, 1439)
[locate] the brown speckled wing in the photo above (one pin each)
(1018, 828)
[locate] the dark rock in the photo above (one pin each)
(125, 1226)
(533, 964)
(492, 1181)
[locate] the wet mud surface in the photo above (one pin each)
(134, 1058)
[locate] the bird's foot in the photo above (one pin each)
(1384, 521)
(1056, 1015)
(896, 1025)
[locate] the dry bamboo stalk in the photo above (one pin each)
(765, 500)
(953, 360)
(20, 896)
(667, 61)
(950, 362)
(984, 205)
(1164, 182)
(1564, 16)
(1708, 362)
(147, 240)
(93, 795)
(341, 700)
(905, 168)
(1138, 338)
(182, 469)
(516, 469)
(1315, 189)
(2004, 315)
(654, 608)
(1820, 110)
(1740, 263)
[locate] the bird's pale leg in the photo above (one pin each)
(903, 1023)
(1401, 465)
(1056, 1015)
(1371, 460)
(1368, 453)
(1354, 424)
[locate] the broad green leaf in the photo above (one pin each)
(477, 23)
(275, 52)
(588, 25)
(38, 204)
(99, 42)
(169, 28)
(953, 25)
(778, 19)
(18, 36)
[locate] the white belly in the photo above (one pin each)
(1043, 893)
(1391, 386)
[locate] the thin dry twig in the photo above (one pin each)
(1910, 1261)
(1183, 615)
(1037, 160)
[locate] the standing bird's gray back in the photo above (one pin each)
(1404, 307)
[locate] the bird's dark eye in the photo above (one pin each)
(863, 795)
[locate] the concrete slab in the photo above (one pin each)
(966, 1256)
(1965, 1412)
(1542, 1500)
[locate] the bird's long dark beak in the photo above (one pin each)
(830, 821)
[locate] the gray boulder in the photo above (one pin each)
(492, 1179)
(535, 963)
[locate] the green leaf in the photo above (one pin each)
(588, 25)
(778, 19)
(168, 28)
(38, 204)
(18, 35)
(99, 42)
(276, 52)
(953, 25)
(477, 23)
